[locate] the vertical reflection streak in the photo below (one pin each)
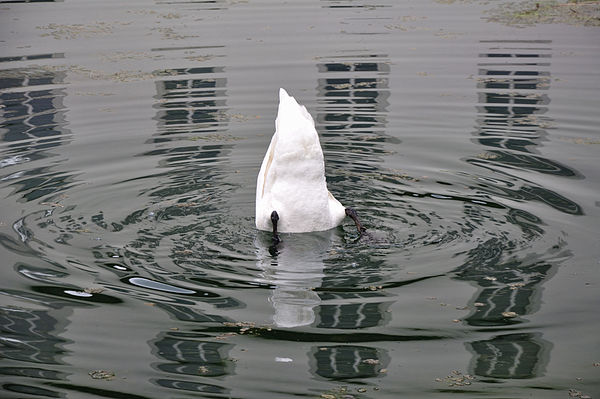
(514, 78)
(33, 123)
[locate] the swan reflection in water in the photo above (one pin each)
(294, 271)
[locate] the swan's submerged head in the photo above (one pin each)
(291, 180)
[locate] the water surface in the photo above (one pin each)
(131, 137)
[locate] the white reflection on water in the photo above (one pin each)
(295, 270)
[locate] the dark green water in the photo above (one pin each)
(131, 134)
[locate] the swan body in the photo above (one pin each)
(291, 180)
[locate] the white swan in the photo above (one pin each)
(291, 180)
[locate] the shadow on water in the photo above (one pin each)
(187, 203)
(193, 102)
(31, 340)
(351, 115)
(352, 105)
(342, 362)
(34, 123)
(188, 354)
(32, 131)
(190, 108)
(352, 109)
(513, 82)
(312, 286)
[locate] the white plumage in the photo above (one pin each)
(291, 180)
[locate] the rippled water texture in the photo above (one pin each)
(131, 134)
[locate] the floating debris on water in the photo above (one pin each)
(514, 286)
(573, 393)
(527, 13)
(457, 379)
(582, 140)
(102, 374)
(239, 324)
(93, 290)
(371, 361)
(120, 76)
(509, 314)
(75, 31)
(203, 370)
(342, 392)
(248, 327)
(487, 155)
(225, 335)
(215, 137)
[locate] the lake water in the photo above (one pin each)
(131, 137)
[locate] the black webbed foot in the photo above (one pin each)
(351, 213)
(276, 239)
(274, 220)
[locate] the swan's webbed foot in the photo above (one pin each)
(351, 213)
(274, 220)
